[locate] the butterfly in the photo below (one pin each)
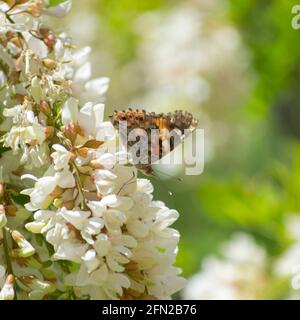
(162, 132)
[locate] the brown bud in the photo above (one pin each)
(57, 192)
(17, 42)
(3, 42)
(10, 34)
(49, 132)
(27, 280)
(18, 63)
(2, 188)
(10, 280)
(132, 265)
(70, 132)
(135, 275)
(11, 210)
(72, 157)
(94, 164)
(93, 144)
(44, 31)
(15, 77)
(34, 142)
(35, 8)
(11, 3)
(50, 41)
(69, 205)
(99, 196)
(45, 108)
(79, 130)
(50, 64)
(83, 152)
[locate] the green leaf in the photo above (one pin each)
(53, 3)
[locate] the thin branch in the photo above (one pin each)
(80, 187)
(6, 233)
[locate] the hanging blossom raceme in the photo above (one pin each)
(74, 223)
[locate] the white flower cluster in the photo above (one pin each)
(288, 264)
(74, 224)
(240, 275)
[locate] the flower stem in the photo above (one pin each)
(7, 257)
(80, 187)
(6, 251)
(6, 233)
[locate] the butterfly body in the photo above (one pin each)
(169, 130)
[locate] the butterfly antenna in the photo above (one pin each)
(127, 183)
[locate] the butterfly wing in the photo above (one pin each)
(161, 132)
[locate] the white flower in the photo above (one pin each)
(60, 10)
(36, 46)
(70, 250)
(6, 285)
(95, 89)
(90, 118)
(70, 111)
(60, 157)
(26, 128)
(100, 231)
(65, 179)
(231, 278)
(36, 90)
(113, 219)
(40, 195)
(296, 278)
(35, 156)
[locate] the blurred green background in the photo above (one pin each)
(235, 65)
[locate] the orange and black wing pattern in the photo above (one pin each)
(170, 130)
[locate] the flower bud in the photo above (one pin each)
(25, 248)
(72, 157)
(99, 196)
(69, 205)
(36, 90)
(1, 189)
(45, 108)
(35, 8)
(94, 164)
(36, 284)
(70, 132)
(3, 219)
(93, 144)
(17, 42)
(132, 266)
(58, 202)
(79, 130)
(7, 292)
(50, 41)
(83, 152)
(49, 132)
(11, 210)
(50, 64)
(35, 227)
(11, 3)
(57, 192)
(44, 30)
